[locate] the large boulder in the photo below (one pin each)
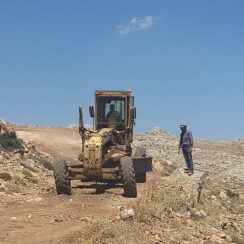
(192, 183)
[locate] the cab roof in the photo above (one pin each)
(113, 92)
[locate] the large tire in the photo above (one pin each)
(61, 176)
(128, 177)
(141, 152)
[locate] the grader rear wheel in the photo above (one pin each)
(141, 152)
(61, 177)
(128, 177)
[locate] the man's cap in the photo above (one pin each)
(183, 126)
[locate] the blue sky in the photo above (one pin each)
(184, 60)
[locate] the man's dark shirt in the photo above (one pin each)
(186, 139)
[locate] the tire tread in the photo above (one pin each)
(61, 177)
(128, 177)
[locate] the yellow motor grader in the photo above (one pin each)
(106, 153)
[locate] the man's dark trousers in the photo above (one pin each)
(186, 150)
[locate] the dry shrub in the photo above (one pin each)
(10, 142)
(161, 215)
(153, 214)
(105, 231)
(160, 203)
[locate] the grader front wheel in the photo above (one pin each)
(61, 177)
(128, 177)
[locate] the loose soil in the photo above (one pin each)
(48, 218)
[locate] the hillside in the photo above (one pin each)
(172, 207)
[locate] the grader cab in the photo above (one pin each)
(106, 153)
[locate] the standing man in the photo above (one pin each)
(186, 144)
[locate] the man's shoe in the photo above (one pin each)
(190, 173)
(186, 170)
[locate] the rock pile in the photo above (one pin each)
(24, 171)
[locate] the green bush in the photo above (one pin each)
(10, 142)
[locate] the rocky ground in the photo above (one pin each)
(208, 206)
(171, 207)
(23, 169)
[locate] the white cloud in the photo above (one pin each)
(133, 20)
(136, 24)
(124, 30)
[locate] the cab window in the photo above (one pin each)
(106, 104)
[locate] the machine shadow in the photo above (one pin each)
(100, 188)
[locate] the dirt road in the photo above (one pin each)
(49, 218)
(60, 143)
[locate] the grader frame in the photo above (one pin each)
(106, 153)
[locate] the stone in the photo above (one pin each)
(34, 180)
(18, 156)
(198, 214)
(5, 176)
(2, 189)
(86, 219)
(231, 193)
(201, 214)
(194, 183)
(127, 214)
(27, 172)
(13, 219)
(223, 236)
(213, 198)
(58, 220)
(216, 239)
(38, 199)
(14, 188)
(223, 196)
(178, 215)
(27, 166)
(207, 238)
